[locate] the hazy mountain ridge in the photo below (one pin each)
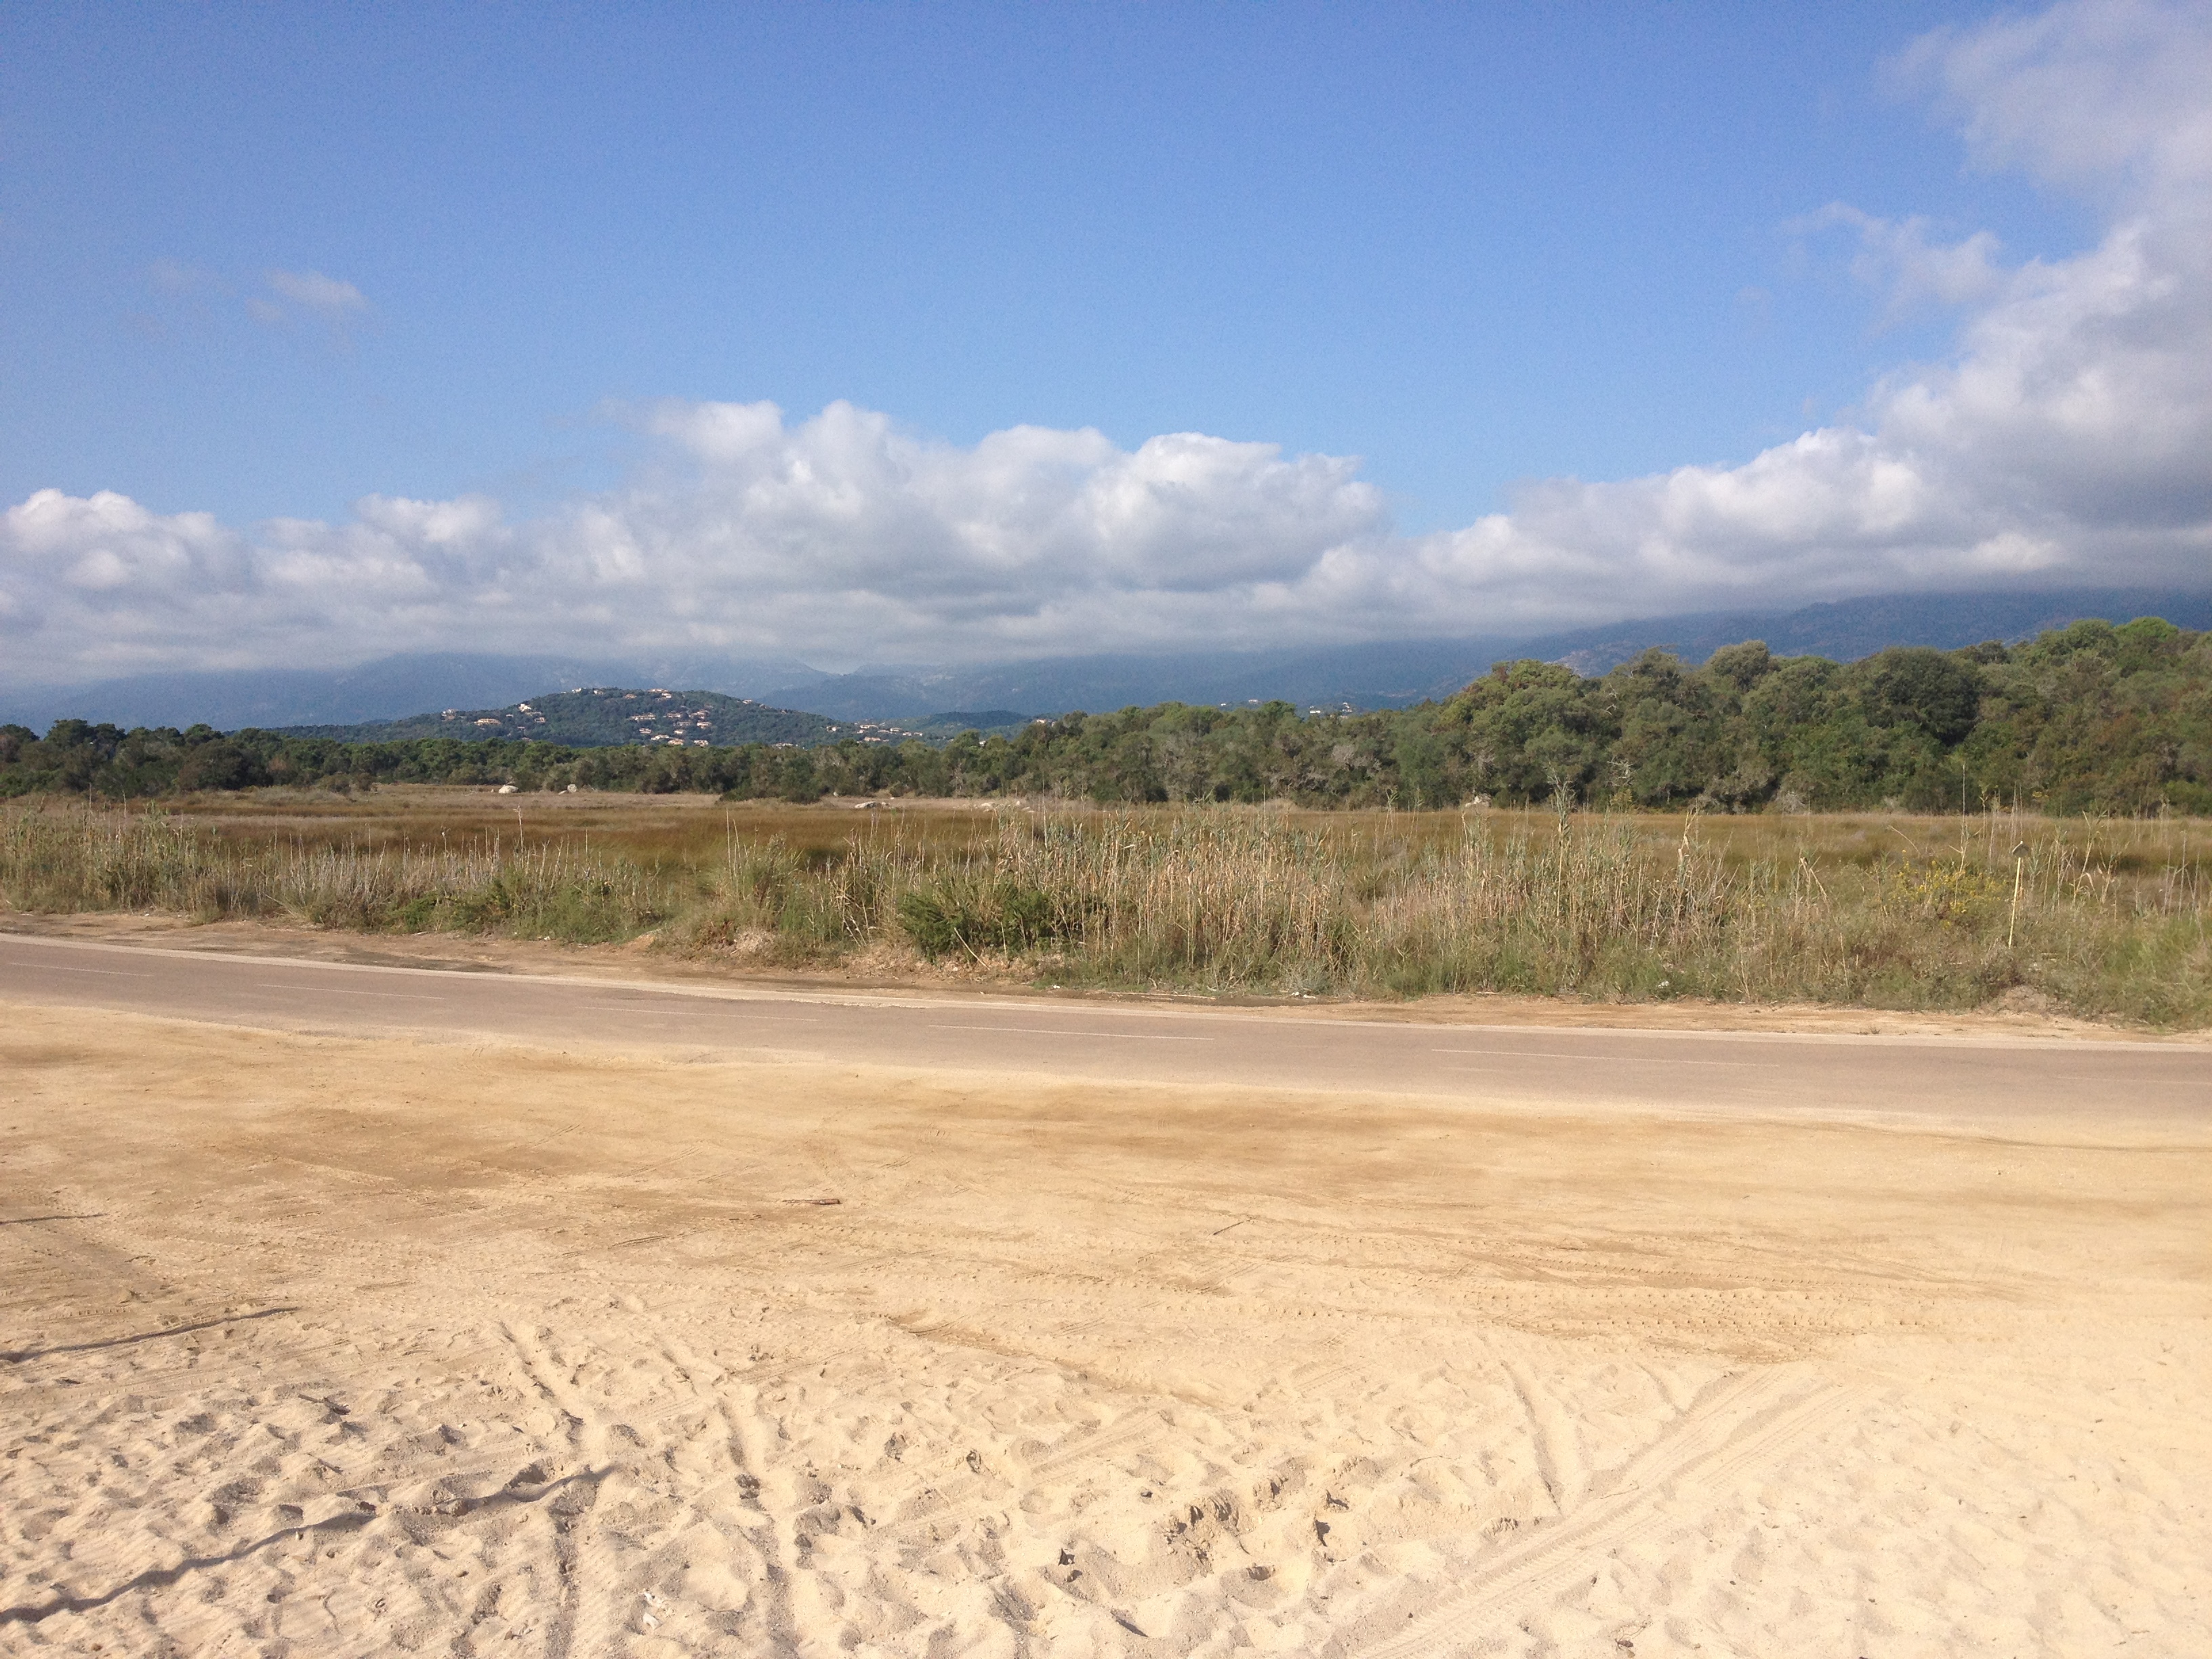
(2091, 718)
(608, 716)
(1397, 673)
(1845, 630)
(388, 688)
(1383, 675)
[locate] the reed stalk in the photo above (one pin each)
(1570, 903)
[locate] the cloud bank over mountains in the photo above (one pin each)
(2067, 440)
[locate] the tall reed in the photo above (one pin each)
(1232, 899)
(73, 859)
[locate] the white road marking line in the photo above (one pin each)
(1060, 1030)
(109, 972)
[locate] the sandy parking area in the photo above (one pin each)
(320, 1345)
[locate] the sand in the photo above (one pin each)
(331, 1346)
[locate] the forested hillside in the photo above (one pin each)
(597, 716)
(2092, 718)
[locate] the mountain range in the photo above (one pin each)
(601, 716)
(1389, 674)
(605, 716)
(1395, 674)
(389, 687)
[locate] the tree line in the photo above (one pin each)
(2092, 718)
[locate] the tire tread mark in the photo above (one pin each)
(963, 1500)
(587, 1441)
(743, 1446)
(1744, 1420)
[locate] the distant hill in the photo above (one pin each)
(389, 688)
(1390, 674)
(601, 717)
(1387, 674)
(2092, 718)
(951, 723)
(1845, 630)
(1398, 673)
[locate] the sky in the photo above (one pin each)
(904, 334)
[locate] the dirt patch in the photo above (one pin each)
(349, 1344)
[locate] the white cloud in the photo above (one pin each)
(840, 535)
(323, 297)
(2067, 439)
(1897, 258)
(2108, 97)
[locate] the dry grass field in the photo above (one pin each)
(2103, 918)
(694, 827)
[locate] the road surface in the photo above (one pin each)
(1887, 1076)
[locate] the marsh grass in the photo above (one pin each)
(2100, 919)
(94, 859)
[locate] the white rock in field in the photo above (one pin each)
(507, 789)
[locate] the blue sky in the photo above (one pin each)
(263, 264)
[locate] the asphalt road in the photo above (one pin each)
(1918, 1076)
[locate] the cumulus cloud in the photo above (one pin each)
(1896, 258)
(310, 293)
(2067, 439)
(2107, 97)
(842, 536)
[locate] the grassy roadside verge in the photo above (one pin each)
(2100, 920)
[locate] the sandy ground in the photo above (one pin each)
(316, 1346)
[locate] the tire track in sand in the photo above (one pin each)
(1745, 1420)
(964, 1500)
(745, 1430)
(587, 1439)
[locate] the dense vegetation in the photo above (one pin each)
(2092, 718)
(2096, 916)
